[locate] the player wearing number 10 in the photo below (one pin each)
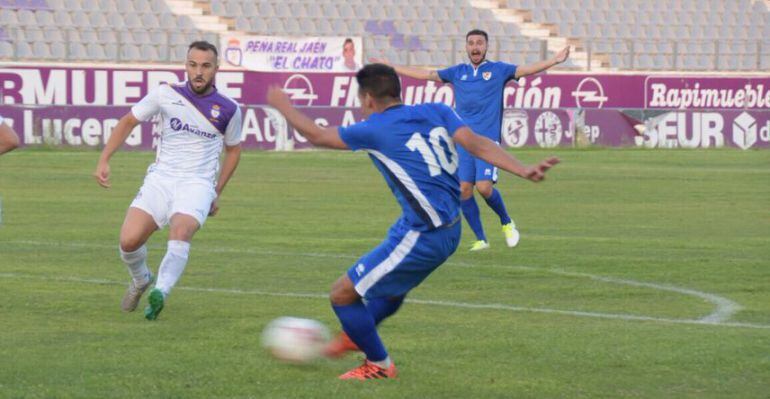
(413, 147)
(479, 88)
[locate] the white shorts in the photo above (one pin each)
(162, 197)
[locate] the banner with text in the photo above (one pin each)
(124, 86)
(292, 54)
(266, 129)
(80, 105)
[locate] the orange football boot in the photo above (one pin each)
(370, 371)
(339, 346)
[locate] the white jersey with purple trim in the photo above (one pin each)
(193, 129)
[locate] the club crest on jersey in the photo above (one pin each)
(215, 111)
(486, 75)
(464, 77)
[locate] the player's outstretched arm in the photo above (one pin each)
(318, 136)
(120, 133)
(488, 150)
(8, 138)
(531, 69)
(412, 72)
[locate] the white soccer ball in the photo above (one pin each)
(295, 340)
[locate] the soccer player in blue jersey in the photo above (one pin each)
(479, 89)
(414, 149)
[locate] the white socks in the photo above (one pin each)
(385, 363)
(137, 264)
(173, 265)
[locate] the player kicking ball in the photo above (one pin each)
(414, 149)
(179, 189)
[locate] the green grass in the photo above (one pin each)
(293, 222)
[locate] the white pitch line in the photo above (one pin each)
(452, 304)
(724, 308)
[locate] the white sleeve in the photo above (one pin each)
(233, 131)
(1, 119)
(147, 107)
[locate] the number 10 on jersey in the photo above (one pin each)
(438, 158)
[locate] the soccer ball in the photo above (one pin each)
(295, 340)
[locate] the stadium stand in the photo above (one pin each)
(713, 35)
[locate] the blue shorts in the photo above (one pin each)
(403, 260)
(473, 169)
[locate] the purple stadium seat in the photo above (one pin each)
(373, 26)
(415, 44)
(388, 27)
(25, 4)
(397, 41)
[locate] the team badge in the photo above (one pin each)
(215, 111)
(486, 75)
(464, 77)
(233, 53)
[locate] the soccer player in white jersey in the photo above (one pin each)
(181, 187)
(8, 138)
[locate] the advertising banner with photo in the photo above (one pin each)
(79, 106)
(292, 54)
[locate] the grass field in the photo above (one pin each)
(640, 274)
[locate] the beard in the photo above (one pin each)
(482, 55)
(203, 89)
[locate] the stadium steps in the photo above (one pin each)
(197, 13)
(523, 18)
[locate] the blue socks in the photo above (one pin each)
(382, 308)
(495, 201)
(359, 325)
(473, 217)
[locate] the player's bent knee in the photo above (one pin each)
(343, 292)
(183, 227)
(484, 189)
(130, 244)
(466, 191)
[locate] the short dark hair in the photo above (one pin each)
(380, 81)
(348, 40)
(477, 32)
(204, 46)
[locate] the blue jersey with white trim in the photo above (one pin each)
(479, 94)
(412, 147)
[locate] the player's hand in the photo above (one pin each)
(374, 60)
(563, 55)
(277, 99)
(214, 207)
(102, 174)
(537, 173)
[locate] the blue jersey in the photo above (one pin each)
(412, 147)
(479, 94)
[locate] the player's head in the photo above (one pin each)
(202, 65)
(476, 42)
(378, 87)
